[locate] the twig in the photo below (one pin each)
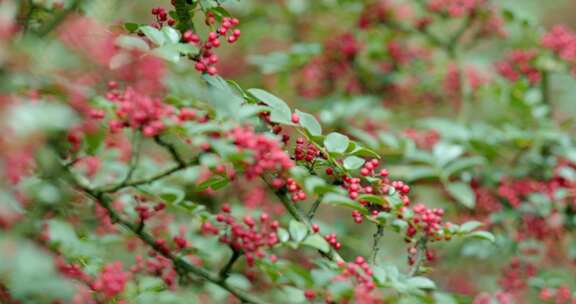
(149, 180)
(171, 149)
(105, 202)
(298, 215)
(421, 248)
(59, 18)
(225, 272)
(545, 88)
(314, 207)
(376, 245)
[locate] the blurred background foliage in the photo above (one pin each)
(412, 115)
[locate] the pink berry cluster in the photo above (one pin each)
(249, 236)
(360, 273)
(427, 219)
(296, 192)
(560, 295)
(138, 111)
(267, 153)
(562, 42)
(145, 211)
(207, 58)
(305, 151)
(518, 64)
(425, 139)
(156, 265)
(112, 280)
(333, 241)
(161, 16)
(455, 8)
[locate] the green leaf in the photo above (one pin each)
(310, 123)
(283, 235)
(292, 295)
(220, 11)
(132, 43)
(335, 199)
(336, 142)
(420, 283)
(215, 182)
(461, 164)
(376, 199)
(444, 153)
(171, 35)
(186, 48)
(168, 52)
(156, 36)
(313, 183)
(463, 193)
(469, 226)
(353, 162)
(414, 173)
(280, 112)
(485, 235)
(131, 27)
(172, 195)
(298, 231)
(318, 242)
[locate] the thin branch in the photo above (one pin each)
(376, 245)
(298, 215)
(225, 272)
(181, 164)
(134, 157)
(420, 256)
(314, 207)
(149, 180)
(105, 202)
(545, 89)
(60, 16)
(171, 149)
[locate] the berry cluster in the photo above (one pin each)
(359, 273)
(207, 58)
(249, 236)
(145, 212)
(161, 16)
(455, 8)
(423, 139)
(562, 42)
(331, 238)
(560, 295)
(112, 280)
(518, 64)
(267, 152)
(429, 220)
(138, 111)
(296, 193)
(156, 265)
(305, 151)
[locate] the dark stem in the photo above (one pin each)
(225, 272)
(376, 245)
(58, 18)
(545, 88)
(105, 202)
(421, 248)
(298, 215)
(171, 149)
(314, 207)
(134, 157)
(184, 18)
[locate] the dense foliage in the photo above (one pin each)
(330, 151)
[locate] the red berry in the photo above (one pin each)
(295, 118)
